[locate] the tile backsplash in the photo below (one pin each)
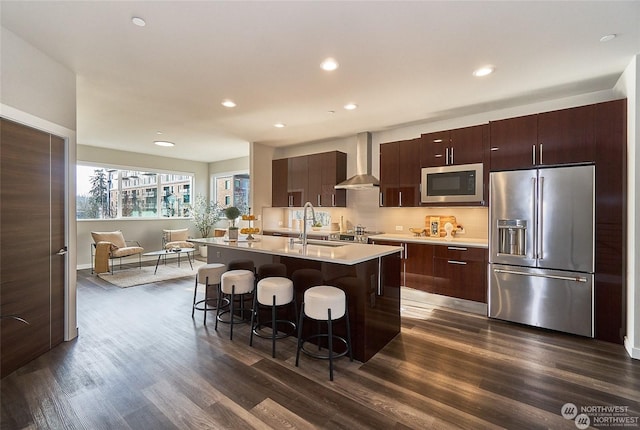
(362, 209)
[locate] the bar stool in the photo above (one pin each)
(274, 292)
(234, 283)
(241, 265)
(324, 303)
(208, 275)
(272, 269)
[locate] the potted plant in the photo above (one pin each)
(232, 213)
(205, 215)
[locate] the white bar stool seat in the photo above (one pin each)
(208, 275)
(273, 292)
(325, 303)
(234, 283)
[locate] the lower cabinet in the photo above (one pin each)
(449, 270)
(460, 272)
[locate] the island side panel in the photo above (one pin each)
(374, 309)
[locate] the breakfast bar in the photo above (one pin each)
(369, 275)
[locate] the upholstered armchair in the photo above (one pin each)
(176, 239)
(109, 245)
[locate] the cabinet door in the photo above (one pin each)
(419, 266)
(298, 181)
(467, 145)
(566, 136)
(513, 142)
(279, 179)
(434, 149)
(389, 159)
(314, 178)
(409, 173)
(333, 171)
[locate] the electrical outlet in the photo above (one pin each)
(218, 254)
(399, 228)
(460, 230)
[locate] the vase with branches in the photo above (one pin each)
(205, 215)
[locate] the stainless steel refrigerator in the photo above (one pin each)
(541, 247)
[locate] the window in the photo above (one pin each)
(233, 190)
(109, 193)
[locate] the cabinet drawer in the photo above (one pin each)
(463, 253)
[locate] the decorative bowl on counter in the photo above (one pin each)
(418, 231)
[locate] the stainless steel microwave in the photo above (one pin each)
(452, 184)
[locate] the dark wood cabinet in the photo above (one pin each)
(418, 267)
(312, 178)
(611, 232)
(458, 146)
(513, 142)
(279, 183)
(566, 136)
(325, 171)
(448, 270)
(461, 272)
(298, 183)
(556, 137)
(400, 173)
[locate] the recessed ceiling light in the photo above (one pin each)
(608, 37)
(279, 125)
(158, 132)
(483, 71)
(136, 20)
(228, 103)
(164, 143)
(350, 106)
(329, 64)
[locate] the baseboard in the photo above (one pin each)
(631, 350)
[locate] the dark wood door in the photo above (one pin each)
(389, 159)
(513, 142)
(32, 228)
(409, 173)
(467, 144)
(279, 180)
(566, 136)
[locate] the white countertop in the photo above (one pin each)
(320, 250)
(459, 241)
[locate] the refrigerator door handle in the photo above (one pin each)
(562, 278)
(534, 217)
(541, 219)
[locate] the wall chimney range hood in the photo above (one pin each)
(363, 178)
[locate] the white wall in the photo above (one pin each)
(629, 85)
(41, 93)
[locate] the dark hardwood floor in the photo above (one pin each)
(141, 362)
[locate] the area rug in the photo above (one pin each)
(132, 277)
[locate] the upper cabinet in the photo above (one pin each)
(459, 146)
(309, 178)
(400, 173)
(557, 137)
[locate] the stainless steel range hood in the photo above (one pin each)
(363, 178)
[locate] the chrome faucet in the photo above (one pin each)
(307, 205)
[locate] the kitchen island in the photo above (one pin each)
(369, 275)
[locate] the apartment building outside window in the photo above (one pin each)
(233, 190)
(112, 193)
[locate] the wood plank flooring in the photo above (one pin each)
(141, 362)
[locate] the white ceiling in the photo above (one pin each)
(401, 62)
